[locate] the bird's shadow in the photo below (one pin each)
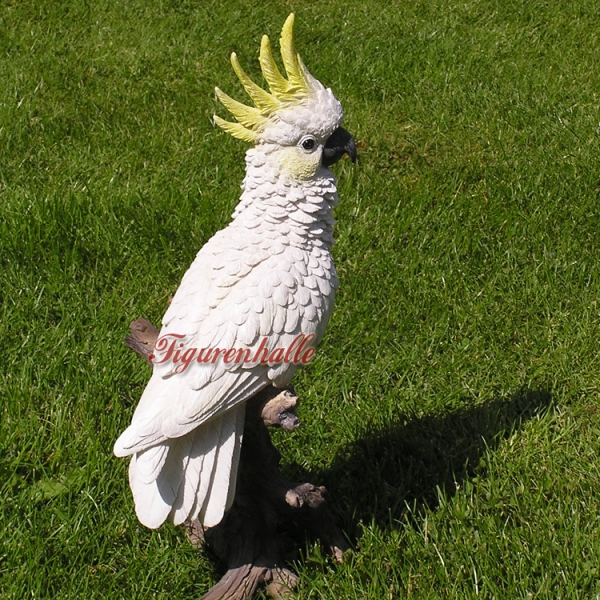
(409, 462)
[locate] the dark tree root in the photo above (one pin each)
(247, 540)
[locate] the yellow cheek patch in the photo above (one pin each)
(298, 166)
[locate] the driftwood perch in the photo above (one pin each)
(247, 540)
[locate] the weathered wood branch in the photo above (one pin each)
(142, 338)
(247, 539)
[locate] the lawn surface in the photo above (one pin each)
(453, 410)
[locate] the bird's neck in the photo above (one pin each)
(300, 211)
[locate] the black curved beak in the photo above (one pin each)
(340, 142)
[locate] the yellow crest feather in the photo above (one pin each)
(248, 116)
(262, 99)
(290, 58)
(252, 120)
(236, 130)
(277, 83)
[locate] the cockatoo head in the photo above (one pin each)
(298, 122)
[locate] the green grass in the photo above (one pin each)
(454, 408)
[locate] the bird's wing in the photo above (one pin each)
(234, 294)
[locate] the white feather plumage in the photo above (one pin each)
(269, 273)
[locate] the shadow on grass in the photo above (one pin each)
(406, 463)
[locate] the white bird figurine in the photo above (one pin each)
(254, 303)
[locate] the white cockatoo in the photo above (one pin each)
(253, 304)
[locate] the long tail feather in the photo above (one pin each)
(189, 477)
(154, 498)
(224, 475)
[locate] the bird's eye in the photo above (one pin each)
(308, 143)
